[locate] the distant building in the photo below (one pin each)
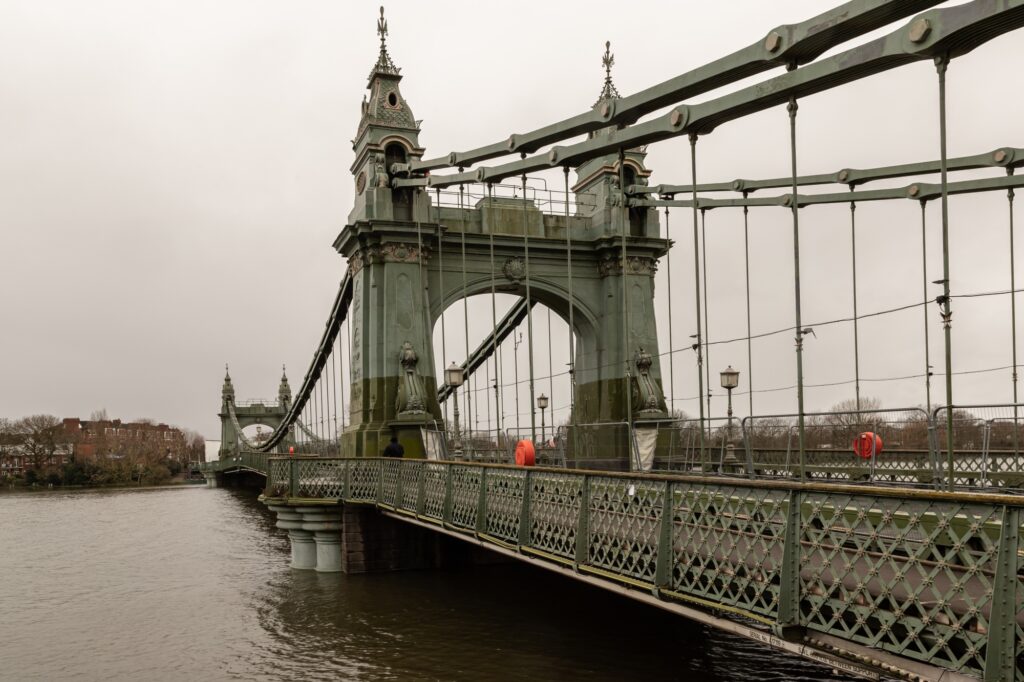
(114, 439)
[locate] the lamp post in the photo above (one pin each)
(542, 403)
(453, 376)
(730, 380)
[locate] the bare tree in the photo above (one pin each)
(99, 415)
(41, 437)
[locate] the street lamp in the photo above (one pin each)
(453, 376)
(542, 403)
(730, 380)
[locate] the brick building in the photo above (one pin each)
(114, 439)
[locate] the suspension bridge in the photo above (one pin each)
(884, 543)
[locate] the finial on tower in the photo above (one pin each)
(227, 374)
(609, 91)
(382, 27)
(384, 63)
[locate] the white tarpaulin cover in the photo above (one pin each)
(646, 439)
(432, 444)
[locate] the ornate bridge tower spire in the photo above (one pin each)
(284, 391)
(388, 134)
(597, 184)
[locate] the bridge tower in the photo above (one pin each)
(405, 256)
(234, 417)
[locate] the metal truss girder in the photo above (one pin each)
(1004, 157)
(918, 192)
(790, 43)
(953, 31)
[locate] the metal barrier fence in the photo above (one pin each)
(906, 455)
(484, 446)
(987, 445)
(695, 446)
(927, 575)
(609, 446)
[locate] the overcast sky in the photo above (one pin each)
(172, 175)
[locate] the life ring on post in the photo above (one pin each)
(525, 454)
(867, 444)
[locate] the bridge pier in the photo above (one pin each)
(211, 480)
(356, 539)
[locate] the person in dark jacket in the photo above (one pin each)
(394, 448)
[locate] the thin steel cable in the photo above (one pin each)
(572, 304)
(698, 346)
(440, 284)
(465, 309)
(792, 108)
(529, 315)
(924, 292)
(671, 356)
(707, 327)
(947, 314)
(494, 314)
(746, 278)
(856, 334)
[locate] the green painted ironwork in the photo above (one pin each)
(927, 575)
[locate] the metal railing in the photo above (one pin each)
(548, 201)
(988, 447)
(927, 575)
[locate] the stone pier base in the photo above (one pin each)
(211, 480)
(359, 539)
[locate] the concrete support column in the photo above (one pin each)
(211, 480)
(303, 548)
(325, 525)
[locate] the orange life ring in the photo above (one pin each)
(525, 455)
(867, 444)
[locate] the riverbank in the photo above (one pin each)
(37, 488)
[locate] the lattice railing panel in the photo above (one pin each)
(363, 480)
(465, 491)
(321, 478)
(910, 576)
(278, 482)
(504, 503)
(554, 512)
(727, 544)
(411, 474)
(434, 477)
(389, 481)
(624, 517)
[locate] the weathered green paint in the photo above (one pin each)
(928, 576)
(272, 415)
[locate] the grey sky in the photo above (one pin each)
(173, 174)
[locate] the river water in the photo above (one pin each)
(194, 584)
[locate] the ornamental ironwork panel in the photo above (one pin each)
(434, 476)
(504, 503)
(727, 544)
(465, 492)
(363, 480)
(410, 474)
(624, 523)
(910, 576)
(321, 478)
(278, 481)
(390, 472)
(554, 512)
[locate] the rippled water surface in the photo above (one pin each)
(194, 584)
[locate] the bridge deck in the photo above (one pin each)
(895, 575)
